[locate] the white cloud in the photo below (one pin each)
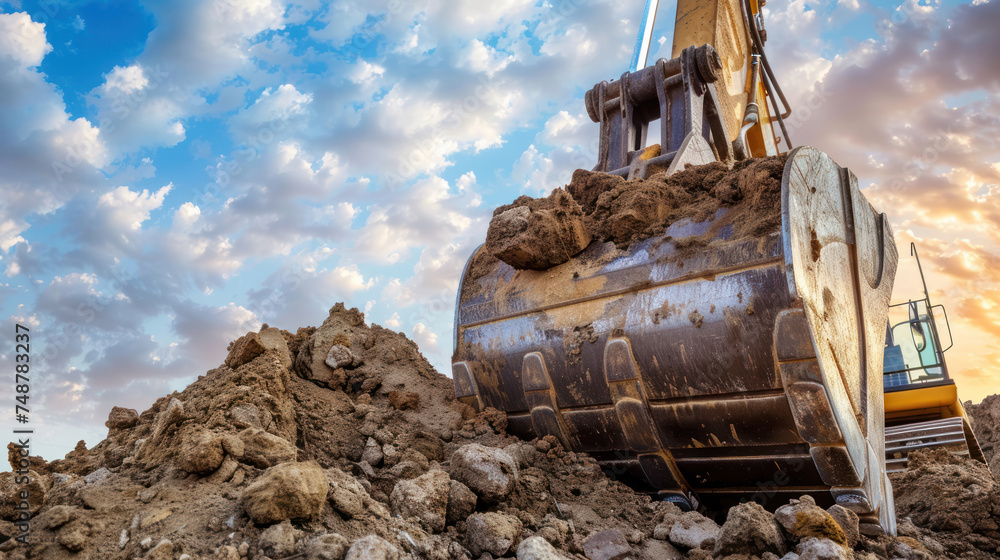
(125, 80)
(479, 57)
(46, 157)
(125, 210)
(23, 39)
(393, 322)
(280, 112)
(429, 213)
(365, 72)
(425, 338)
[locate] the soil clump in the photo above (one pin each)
(985, 418)
(541, 233)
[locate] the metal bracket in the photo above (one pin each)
(681, 93)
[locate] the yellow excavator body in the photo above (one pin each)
(924, 403)
(922, 406)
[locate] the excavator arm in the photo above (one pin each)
(711, 100)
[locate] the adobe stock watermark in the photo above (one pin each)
(942, 143)
(48, 9)
(368, 32)
(805, 110)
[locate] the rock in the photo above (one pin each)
(122, 418)
(12, 504)
(201, 452)
(607, 545)
(286, 491)
(751, 530)
(489, 472)
(461, 502)
(848, 521)
(372, 547)
(18, 459)
(99, 497)
(523, 454)
(226, 552)
(692, 529)
(331, 546)
(933, 546)
(164, 550)
(311, 361)
(372, 453)
(906, 528)
(496, 533)
(554, 530)
(424, 497)
(340, 356)
(75, 536)
(272, 339)
(153, 517)
(346, 495)
(537, 548)
(115, 456)
(278, 541)
(233, 445)
(802, 519)
(812, 548)
(98, 476)
(245, 416)
(654, 549)
(244, 350)
(263, 449)
(57, 516)
(165, 420)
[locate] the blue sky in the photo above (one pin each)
(174, 174)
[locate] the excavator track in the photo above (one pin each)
(953, 434)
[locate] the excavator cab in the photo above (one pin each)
(922, 406)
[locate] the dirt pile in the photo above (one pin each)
(341, 442)
(986, 423)
(541, 233)
(953, 503)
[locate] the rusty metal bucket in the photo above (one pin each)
(749, 369)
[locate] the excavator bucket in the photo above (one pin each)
(743, 369)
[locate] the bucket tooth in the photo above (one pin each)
(835, 465)
(541, 399)
(632, 408)
(466, 390)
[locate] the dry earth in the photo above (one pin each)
(342, 442)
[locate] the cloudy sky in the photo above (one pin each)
(173, 174)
